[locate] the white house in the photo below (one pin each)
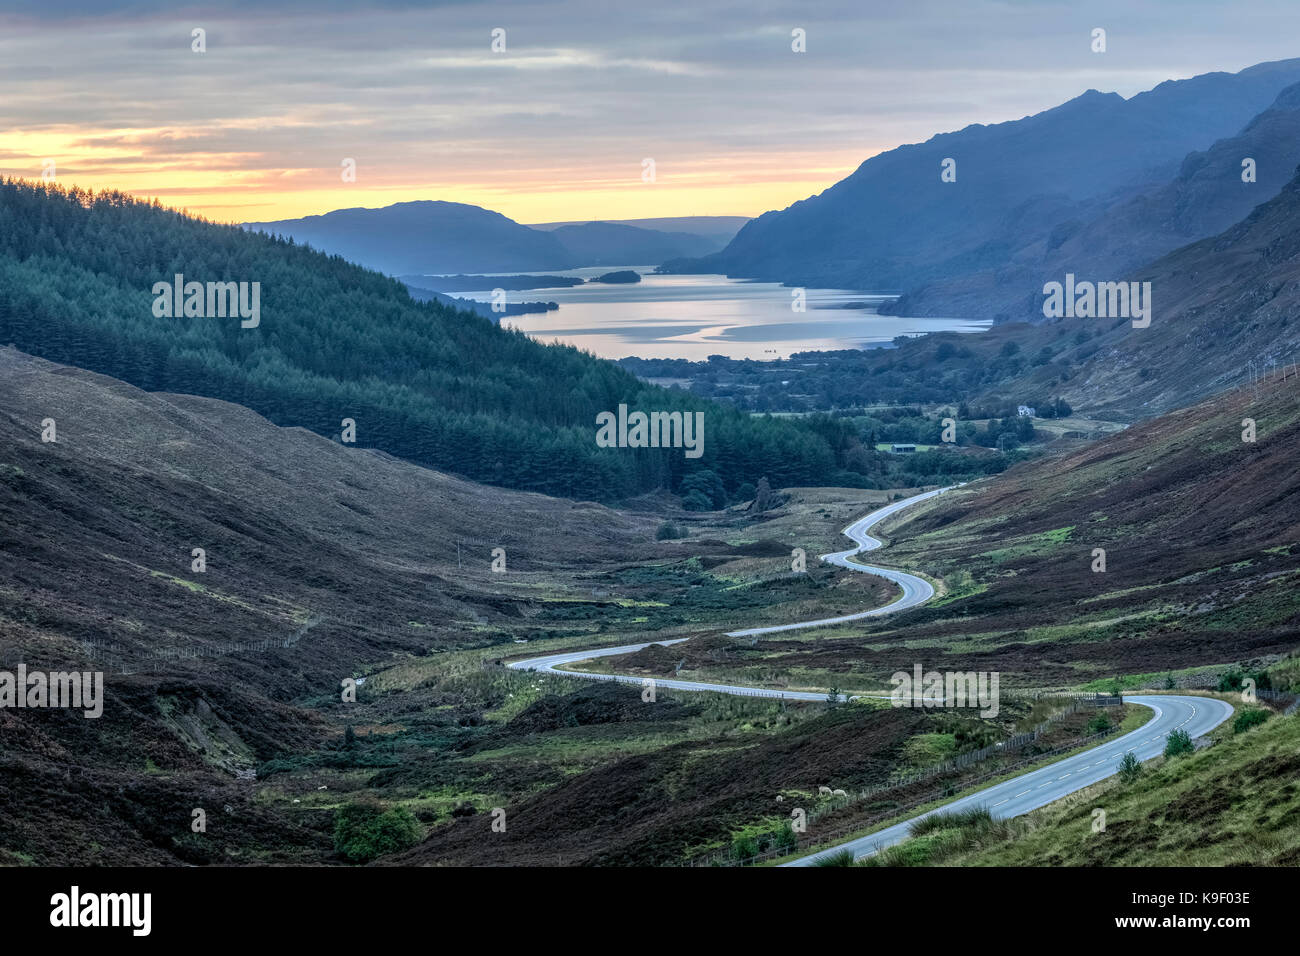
(1027, 411)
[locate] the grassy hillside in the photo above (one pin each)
(1236, 803)
(709, 789)
(322, 562)
(1219, 305)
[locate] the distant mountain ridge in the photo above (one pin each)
(895, 224)
(428, 236)
(433, 237)
(1109, 239)
(609, 243)
(719, 229)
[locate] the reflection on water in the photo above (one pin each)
(696, 316)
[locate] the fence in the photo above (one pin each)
(1020, 741)
(725, 857)
(1267, 693)
(1102, 700)
(1259, 372)
(118, 659)
(1264, 693)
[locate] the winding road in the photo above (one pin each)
(1029, 791)
(915, 591)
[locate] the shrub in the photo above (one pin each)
(696, 501)
(708, 485)
(786, 839)
(668, 531)
(840, 858)
(944, 835)
(1099, 724)
(744, 848)
(275, 765)
(1129, 768)
(1179, 743)
(1230, 680)
(363, 832)
(1249, 718)
(974, 818)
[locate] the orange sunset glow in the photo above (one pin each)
(243, 186)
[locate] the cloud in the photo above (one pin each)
(711, 89)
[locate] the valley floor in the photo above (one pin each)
(326, 563)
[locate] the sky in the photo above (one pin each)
(557, 126)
